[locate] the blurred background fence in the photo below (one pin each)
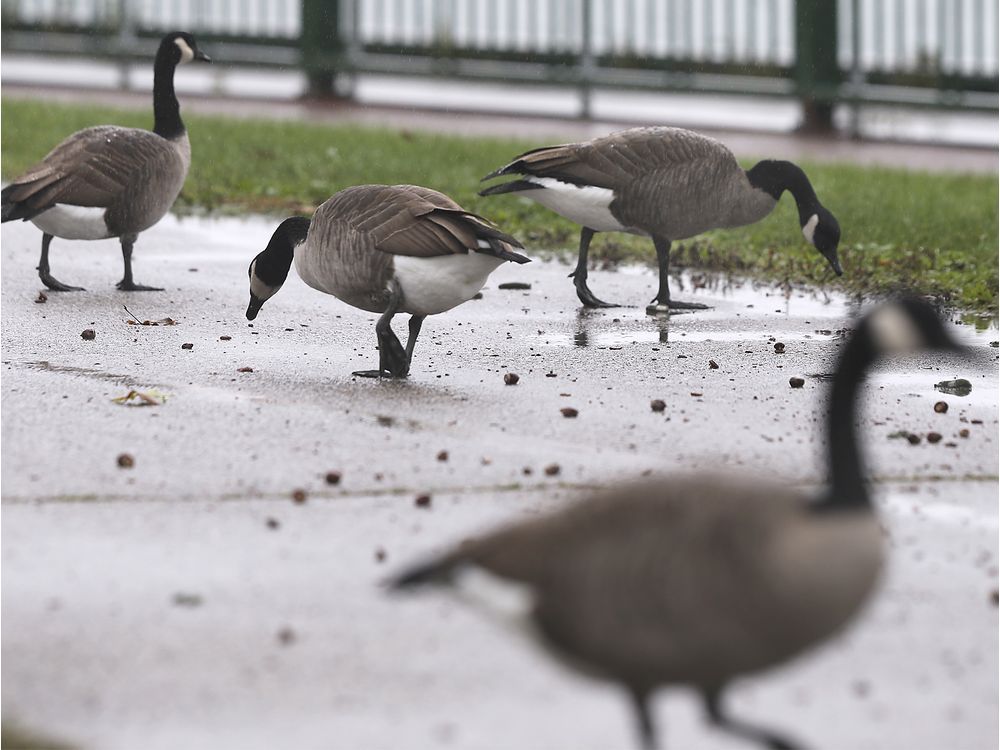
(935, 53)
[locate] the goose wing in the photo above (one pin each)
(616, 160)
(419, 222)
(93, 167)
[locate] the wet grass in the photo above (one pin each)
(929, 233)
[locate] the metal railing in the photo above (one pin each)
(917, 52)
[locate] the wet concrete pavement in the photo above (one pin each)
(189, 602)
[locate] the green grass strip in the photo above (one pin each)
(930, 233)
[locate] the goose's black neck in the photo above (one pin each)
(847, 489)
(775, 177)
(272, 265)
(166, 111)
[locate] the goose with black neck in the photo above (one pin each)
(386, 249)
(664, 183)
(699, 580)
(108, 181)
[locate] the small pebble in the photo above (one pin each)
(286, 636)
(550, 374)
(333, 477)
(225, 338)
(713, 365)
(527, 471)
(299, 497)
(244, 369)
(964, 432)
(657, 404)
(511, 378)
(941, 407)
(552, 470)
(187, 346)
(125, 461)
(272, 523)
(779, 348)
(88, 334)
(933, 437)
(514, 285)
(184, 599)
(569, 412)
(697, 394)
(913, 438)
(796, 382)
(442, 456)
(379, 555)
(422, 501)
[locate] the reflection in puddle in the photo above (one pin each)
(761, 312)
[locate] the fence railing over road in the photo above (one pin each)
(917, 52)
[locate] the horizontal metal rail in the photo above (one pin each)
(933, 53)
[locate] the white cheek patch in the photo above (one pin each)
(893, 331)
(809, 228)
(187, 54)
(258, 288)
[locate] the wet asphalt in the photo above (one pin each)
(189, 601)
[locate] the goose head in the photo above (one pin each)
(906, 325)
(821, 230)
(269, 269)
(179, 47)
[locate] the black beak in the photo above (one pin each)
(254, 307)
(834, 261)
(199, 55)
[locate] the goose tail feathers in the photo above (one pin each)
(438, 571)
(514, 186)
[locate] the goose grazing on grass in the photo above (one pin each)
(108, 181)
(386, 249)
(664, 183)
(697, 581)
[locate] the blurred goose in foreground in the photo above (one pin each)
(697, 581)
(664, 183)
(386, 249)
(108, 181)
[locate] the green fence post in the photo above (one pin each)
(817, 74)
(321, 45)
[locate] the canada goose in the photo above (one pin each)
(386, 249)
(664, 183)
(698, 580)
(108, 181)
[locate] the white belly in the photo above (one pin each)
(433, 285)
(587, 205)
(73, 222)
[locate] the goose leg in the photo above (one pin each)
(723, 722)
(392, 358)
(647, 732)
(662, 302)
(579, 275)
(43, 270)
(127, 284)
(415, 322)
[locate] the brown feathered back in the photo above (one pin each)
(134, 173)
(355, 234)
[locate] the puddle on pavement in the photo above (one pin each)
(921, 383)
(774, 306)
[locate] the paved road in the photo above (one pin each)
(155, 607)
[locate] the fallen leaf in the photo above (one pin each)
(142, 398)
